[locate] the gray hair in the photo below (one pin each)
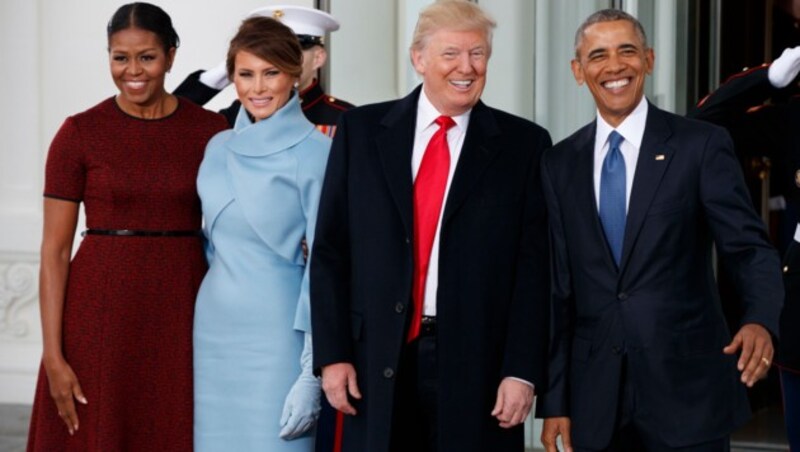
(608, 15)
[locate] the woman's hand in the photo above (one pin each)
(301, 408)
(65, 389)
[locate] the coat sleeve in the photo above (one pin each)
(526, 339)
(330, 269)
(310, 173)
(739, 234)
(739, 105)
(194, 90)
(734, 98)
(554, 401)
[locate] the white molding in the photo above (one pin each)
(20, 331)
(18, 291)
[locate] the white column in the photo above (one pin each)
(364, 58)
(561, 105)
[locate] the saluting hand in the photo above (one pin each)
(757, 352)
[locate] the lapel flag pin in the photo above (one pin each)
(660, 157)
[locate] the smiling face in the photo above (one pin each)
(138, 65)
(261, 87)
(453, 68)
(613, 62)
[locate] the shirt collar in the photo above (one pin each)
(427, 113)
(631, 128)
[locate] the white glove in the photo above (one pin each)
(301, 409)
(216, 77)
(784, 69)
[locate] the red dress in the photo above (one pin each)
(127, 322)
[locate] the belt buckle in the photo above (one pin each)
(428, 326)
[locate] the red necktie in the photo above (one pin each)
(428, 196)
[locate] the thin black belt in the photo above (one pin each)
(140, 233)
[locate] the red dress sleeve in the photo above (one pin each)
(65, 171)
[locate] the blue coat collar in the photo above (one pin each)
(284, 129)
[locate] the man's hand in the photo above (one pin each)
(514, 400)
(339, 381)
(785, 68)
(553, 427)
(757, 352)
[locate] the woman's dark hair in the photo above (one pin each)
(145, 16)
(269, 40)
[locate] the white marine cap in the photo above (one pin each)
(302, 20)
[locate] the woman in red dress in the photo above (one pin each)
(116, 369)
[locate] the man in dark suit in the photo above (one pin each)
(429, 275)
(310, 25)
(641, 358)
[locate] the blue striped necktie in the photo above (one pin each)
(612, 195)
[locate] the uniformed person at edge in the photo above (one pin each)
(310, 25)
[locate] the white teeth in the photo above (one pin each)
(135, 85)
(461, 82)
(260, 102)
(616, 83)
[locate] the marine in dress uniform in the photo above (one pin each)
(770, 129)
(310, 25)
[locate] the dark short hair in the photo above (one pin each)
(609, 15)
(145, 16)
(269, 40)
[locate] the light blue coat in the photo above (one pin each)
(259, 184)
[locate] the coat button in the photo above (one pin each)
(399, 308)
(408, 240)
(388, 372)
(616, 350)
(622, 296)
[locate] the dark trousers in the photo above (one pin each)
(790, 387)
(415, 400)
(631, 436)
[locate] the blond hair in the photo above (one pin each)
(458, 15)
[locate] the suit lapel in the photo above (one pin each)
(395, 143)
(654, 157)
(476, 154)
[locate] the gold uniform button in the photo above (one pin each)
(785, 268)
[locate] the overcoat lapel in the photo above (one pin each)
(476, 154)
(654, 158)
(395, 143)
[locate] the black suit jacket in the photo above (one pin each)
(661, 308)
(493, 274)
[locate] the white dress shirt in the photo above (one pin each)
(632, 129)
(426, 127)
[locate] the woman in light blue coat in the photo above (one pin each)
(259, 184)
